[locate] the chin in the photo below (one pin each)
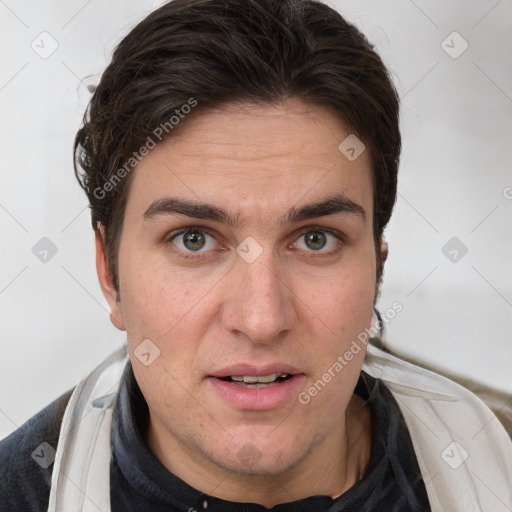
(267, 465)
(250, 456)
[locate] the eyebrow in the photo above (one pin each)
(330, 206)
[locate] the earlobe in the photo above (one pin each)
(106, 283)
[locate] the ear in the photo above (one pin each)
(105, 279)
(383, 250)
(382, 256)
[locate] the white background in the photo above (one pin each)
(455, 169)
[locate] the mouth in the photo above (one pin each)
(257, 388)
(256, 382)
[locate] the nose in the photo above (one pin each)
(261, 305)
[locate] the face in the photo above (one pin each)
(247, 250)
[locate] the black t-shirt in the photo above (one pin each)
(139, 482)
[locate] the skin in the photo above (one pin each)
(293, 304)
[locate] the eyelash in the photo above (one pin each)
(201, 255)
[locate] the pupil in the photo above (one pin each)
(315, 240)
(193, 240)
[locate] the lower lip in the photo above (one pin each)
(258, 399)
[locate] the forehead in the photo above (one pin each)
(254, 158)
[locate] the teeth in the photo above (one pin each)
(251, 379)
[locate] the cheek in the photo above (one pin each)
(167, 307)
(341, 311)
(158, 308)
(345, 301)
(353, 309)
(153, 299)
(338, 353)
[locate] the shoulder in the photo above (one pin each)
(443, 403)
(26, 459)
(411, 382)
(451, 428)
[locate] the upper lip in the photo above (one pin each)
(244, 369)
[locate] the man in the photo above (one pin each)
(240, 158)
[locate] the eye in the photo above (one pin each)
(319, 240)
(193, 240)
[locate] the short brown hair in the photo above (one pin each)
(214, 52)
